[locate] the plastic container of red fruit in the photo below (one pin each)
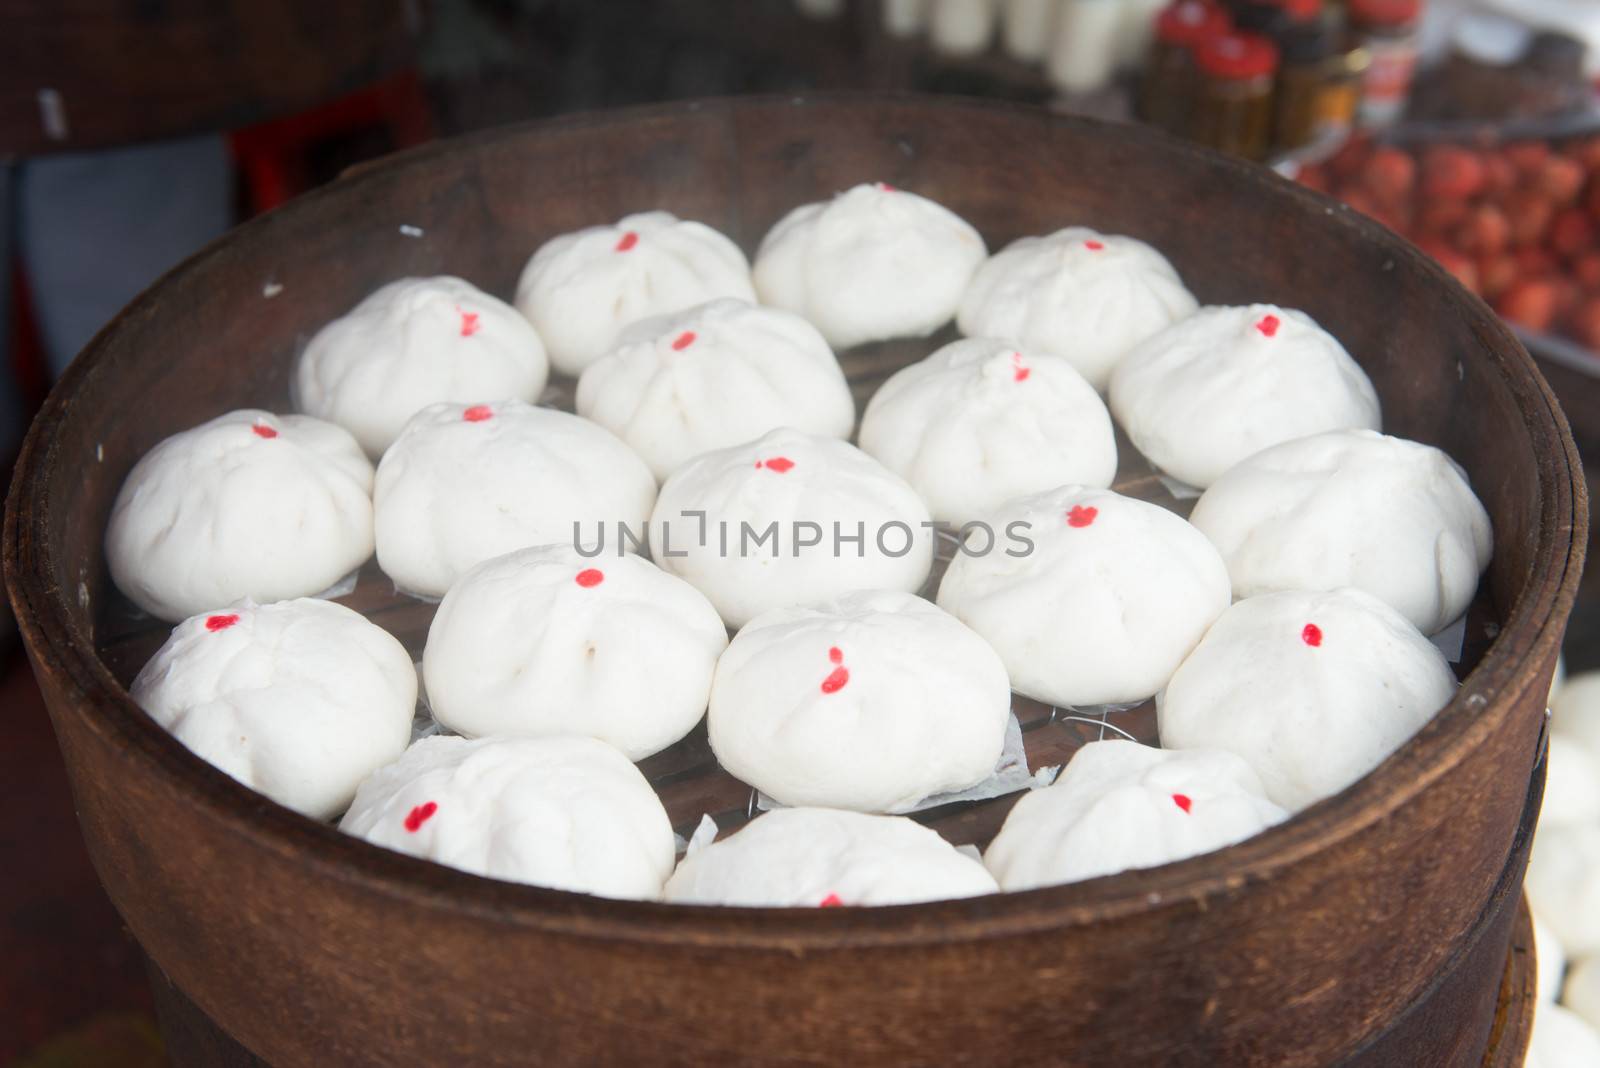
(1512, 211)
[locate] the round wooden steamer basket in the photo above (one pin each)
(1310, 944)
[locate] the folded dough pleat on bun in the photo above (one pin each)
(712, 376)
(981, 421)
(824, 857)
(873, 263)
(545, 641)
(412, 343)
(249, 505)
(1352, 508)
(871, 702)
(464, 484)
(299, 700)
(1313, 689)
(1227, 382)
(1089, 597)
(565, 813)
(1119, 805)
(580, 290)
(1079, 294)
(789, 519)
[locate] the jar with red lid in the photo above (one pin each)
(1307, 33)
(1170, 85)
(1273, 18)
(1306, 49)
(1387, 31)
(1233, 111)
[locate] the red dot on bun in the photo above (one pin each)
(420, 815)
(590, 577)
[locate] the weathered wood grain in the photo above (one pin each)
(1312, 944)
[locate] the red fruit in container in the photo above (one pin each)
(1314, 178)
(1534, 262)
(1389, 175)
(1586, 270)
(1529, 216)
(1561, 180)
(1571, 232)
(1530, 303)
(1452, 260)
(1499, 177)
(1441, 215)
(1348, 160)
(1495, 275)
(1452, 171)
(1527, 156)
(1567, 295)
(1586, 150)
(1397, 219)
(1584, 324)
(1360, 200)
(1485, 231)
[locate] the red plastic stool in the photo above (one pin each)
(273, 157)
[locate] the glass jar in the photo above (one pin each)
(1387, 30)
(1234, 109)
(1340, 98)
(1305, 47)
(1273, 18)
(1171, 83)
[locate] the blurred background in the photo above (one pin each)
(133, 132)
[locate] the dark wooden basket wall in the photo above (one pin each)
(1325, 939)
